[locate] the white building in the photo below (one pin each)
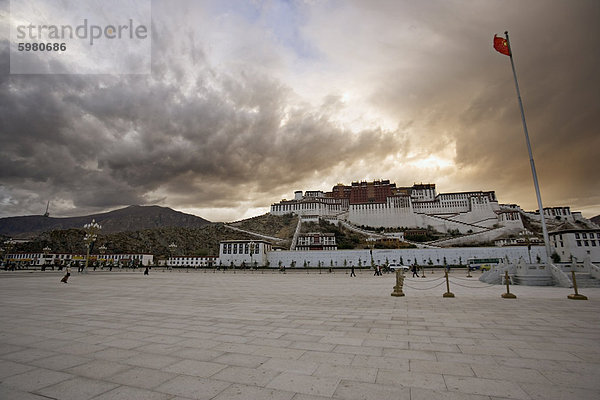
(316, 241)
(58, 259)
(382, 204)
(575, 245)
(192, 261)
(247, 253)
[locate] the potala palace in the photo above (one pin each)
(381, 203)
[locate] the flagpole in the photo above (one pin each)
(535, 179)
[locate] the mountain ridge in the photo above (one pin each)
(131, 218)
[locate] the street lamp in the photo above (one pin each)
(91, 234)
(172, 249)
(46, 251)
(102, 250)
(8, 247)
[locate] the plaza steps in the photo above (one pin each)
(587, 281)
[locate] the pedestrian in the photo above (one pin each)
(375, 268)
(67, 275)
(414, 270)
(352, 271)
(146, 271)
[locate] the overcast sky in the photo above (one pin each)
(251, 100)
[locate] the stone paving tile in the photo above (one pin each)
(314, 385)
(201, 369)
(353, 373)
(301, 396)
(35, 379)
(14, 394)
(554, 392)
(350, 390)
(145, 378)
(197, 353)
(362, 350)
(6, 348)
(132, 393)
(325, 357)
(278, 352)
(248, 376)
(241, 360)
(9, 368)
(509, 374)
(28, 355)
(411, 379)
(393, 363)
(149, 360)
(427, 394)
(485, 387)
(441, 367)
(113, 354)
(60, 362)
(97, 369)
(410, 354)
(572, 379)
(294, 366)
(244, 392)
(315, 346)
(77, 388)
(193, 387)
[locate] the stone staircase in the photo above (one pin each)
(587, 281)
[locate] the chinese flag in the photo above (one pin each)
(501, 45)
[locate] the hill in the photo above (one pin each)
(190, 241)
(132, 218)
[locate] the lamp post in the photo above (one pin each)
(8, 247)
(172, 249)
(102, 250)
(91, 234)
(46, 251)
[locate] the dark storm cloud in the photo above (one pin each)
(222, 121)
(108, 141)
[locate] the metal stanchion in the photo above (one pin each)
(399, 283)
(576, 296)
(508, 294)
(448, 292)
(423, 272)
(469, 272)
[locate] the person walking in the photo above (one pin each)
(67, 275)
(352, 271)
(414, 270)
(146, 271)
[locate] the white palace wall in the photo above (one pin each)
(421, 256)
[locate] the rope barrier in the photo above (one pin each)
(462, 279)
(473, 287)
(433, 287)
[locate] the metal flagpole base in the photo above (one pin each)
(577, 297)
(399, 284)
(448, 294)
(508, 296)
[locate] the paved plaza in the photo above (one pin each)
(205, 335)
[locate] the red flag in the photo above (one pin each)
(501, 45)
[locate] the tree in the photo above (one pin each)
(555, 257)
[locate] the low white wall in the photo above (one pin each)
(421, 256)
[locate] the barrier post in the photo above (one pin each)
(576, 296)
(508, 294)
(399, 283)
(448, 292)
(423, 272)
